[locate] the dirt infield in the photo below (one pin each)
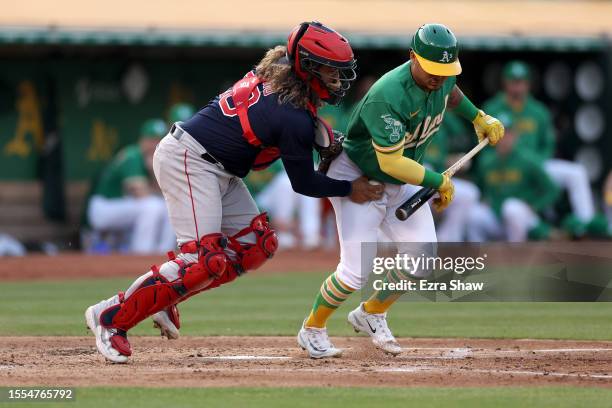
(276, 361)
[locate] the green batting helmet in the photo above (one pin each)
(436, 49)
(181, 112)
(153, 129)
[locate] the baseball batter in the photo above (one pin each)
(269, 114)
(388, 133)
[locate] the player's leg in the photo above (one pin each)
(281, 211)
(193, 190)
(518, 219)
(309, 221)
(356, 223)
(167, 237)
(112, 214)
(147, 225)
(414, 237)
(251, 242)
(483, 224)
(574, 179)
(452, 227)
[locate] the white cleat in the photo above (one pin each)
(376, 326)
(163, 322)
(104, 335)
(316, 342)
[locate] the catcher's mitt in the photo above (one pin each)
(328, 143)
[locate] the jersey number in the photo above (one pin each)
(229, 109)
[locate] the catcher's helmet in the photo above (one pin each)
(436, 49)
(312, 45)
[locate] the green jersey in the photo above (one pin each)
(395, 113)
(518, 174)
(452, 137)
(127, 165)
(531, 122)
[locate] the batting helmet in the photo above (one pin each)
(436, 49)
(312, 45)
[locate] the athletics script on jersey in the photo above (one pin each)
(425, 129)
(450, 272)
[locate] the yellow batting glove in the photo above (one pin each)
(488, 126)
(446, 192)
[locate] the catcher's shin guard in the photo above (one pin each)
(156, 293)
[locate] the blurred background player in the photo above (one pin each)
(535, 134)
(452, 223)
(296, 217)
(515, 189)
(180, 112)
(126, 200)
(388, 134)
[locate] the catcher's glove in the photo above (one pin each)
(328, 143)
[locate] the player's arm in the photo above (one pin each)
(485, 125)
(296, 146)
(388, 136)
(547, 136)
(395, 164)
(544, 191)
(136, 187)
(134, 178)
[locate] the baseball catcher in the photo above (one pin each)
(269, 114)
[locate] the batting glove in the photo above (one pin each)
(488, 126)
(446, 192)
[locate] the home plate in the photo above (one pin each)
(247, 358)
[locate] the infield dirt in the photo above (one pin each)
(277, 361)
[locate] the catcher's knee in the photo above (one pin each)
(252, 255)
(165, 285)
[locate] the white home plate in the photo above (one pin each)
(247, 358)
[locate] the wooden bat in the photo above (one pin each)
(423, 195)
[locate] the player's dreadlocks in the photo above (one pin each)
(276, 72)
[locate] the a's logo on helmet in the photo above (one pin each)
(394, 125)
(446, 57)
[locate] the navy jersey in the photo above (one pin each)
(217, 128)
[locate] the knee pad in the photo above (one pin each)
(156, 292)
(253, 255)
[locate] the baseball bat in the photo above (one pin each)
(419, 198)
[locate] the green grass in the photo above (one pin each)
(276, 305)
(556, 397)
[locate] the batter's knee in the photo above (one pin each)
(349, 277)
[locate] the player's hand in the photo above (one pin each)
(446, 192)
(363, 190)
(488, 126)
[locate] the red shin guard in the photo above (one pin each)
(157, 293)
